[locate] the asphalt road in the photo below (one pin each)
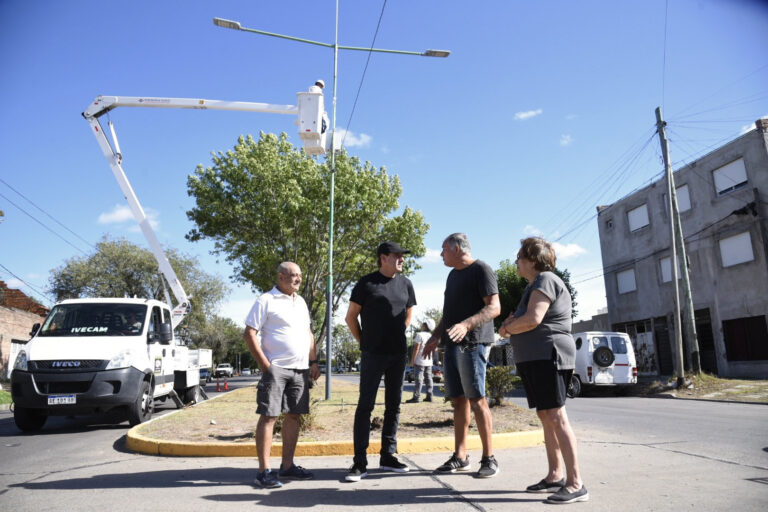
(637, 454)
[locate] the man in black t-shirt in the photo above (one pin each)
(470, 304)
(384, 301)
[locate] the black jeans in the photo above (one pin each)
(372, 368)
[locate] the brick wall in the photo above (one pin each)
(18, 313)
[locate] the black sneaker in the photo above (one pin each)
(454, 464)
(488, 467)
(563, 497)
(390, 463)
(296, 472)
(544, 486)
(413, 400)
(356, 473)
(267, 479)
(428, 399)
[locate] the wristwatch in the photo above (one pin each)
(312, 361)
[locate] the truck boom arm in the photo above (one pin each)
(311, 122)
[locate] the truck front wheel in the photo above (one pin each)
(141, 410)
(29, 420)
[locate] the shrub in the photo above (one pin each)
(306, 421)
(498, 382)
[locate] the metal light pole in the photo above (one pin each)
(235, 25)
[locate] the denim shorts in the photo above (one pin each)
(464, 368)
(283, 390)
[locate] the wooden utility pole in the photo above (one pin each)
(678, 247)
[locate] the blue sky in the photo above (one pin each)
(543, 111)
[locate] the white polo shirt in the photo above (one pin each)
(283, 323)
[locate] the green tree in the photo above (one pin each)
(119, 268)
(224, 337)
(346, 349)
(264, 202)
(512, 286)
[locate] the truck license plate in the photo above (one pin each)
(61, 399)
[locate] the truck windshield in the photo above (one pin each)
(95, 319)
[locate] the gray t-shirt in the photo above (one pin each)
(551, 339)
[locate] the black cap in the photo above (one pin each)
(390, 247)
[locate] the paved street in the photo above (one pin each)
(637, 454)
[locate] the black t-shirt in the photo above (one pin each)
(384, 301)
(465, 291)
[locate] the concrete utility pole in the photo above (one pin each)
(678, 246)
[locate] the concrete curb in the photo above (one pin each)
(142, 444)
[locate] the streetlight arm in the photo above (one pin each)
(235, 25)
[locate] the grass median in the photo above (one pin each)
(232, 418)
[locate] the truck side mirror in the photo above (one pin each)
(34, 330)
(166, 334)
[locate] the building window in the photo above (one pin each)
(730, 177)
(626, 281)
(736, 249)
(638, 217)
(666, 269)
(683, 199)
(746, 339)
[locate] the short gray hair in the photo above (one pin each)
(459, 240)
(285, 267)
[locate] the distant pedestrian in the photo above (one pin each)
(544, 353)
(286, 357)
(470, 304)
(422, 365)
(384, 301)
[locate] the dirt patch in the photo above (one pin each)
(232, 418)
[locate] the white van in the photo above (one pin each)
(602, 359)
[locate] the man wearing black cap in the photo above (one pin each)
(384, 301)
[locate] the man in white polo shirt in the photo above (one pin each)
(286, 356)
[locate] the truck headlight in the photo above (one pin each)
(21, 361)
(120, 360)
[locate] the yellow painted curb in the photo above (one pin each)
(142, 444)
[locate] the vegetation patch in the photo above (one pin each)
(5, 397)
(232, 418)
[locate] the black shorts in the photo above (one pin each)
(544, 384)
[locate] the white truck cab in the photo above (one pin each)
(602, 359)
(97, 355)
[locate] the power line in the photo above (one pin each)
(46, 213)
(42, 294)
(43, 225)
(362, 78)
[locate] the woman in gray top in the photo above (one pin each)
(544, 352)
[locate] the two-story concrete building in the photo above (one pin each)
(723, 204)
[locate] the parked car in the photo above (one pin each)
(224, 370)
(437, 373)
(602, 359)
(246, 371)
(409, 373)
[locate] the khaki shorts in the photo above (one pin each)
(283, 390)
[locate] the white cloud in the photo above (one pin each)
(15, 283)
(565, 140)
(532, 231)
(352, 139)
(121, 214)
(571, 117)
(432, 256)
(522, 116)
(568, 251)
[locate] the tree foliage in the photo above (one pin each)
(512, 285)
(346, 349)
(264, 202)
(119, 268)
